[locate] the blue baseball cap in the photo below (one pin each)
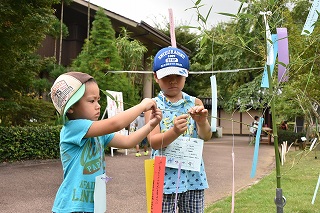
(171, 61)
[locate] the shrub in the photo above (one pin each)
(287, 135)
(28, 143)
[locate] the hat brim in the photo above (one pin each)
(74, 99)
(171, 71)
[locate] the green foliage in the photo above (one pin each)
(103, 52)
(26, 110)
(300, 176)
(289, 136)
(22, 29)
(26, 143)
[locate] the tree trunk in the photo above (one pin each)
(61, 23)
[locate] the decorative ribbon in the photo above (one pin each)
(283, 54)
(172, 30)
(256, 149)
(158, 181)
(265, 80)
(177, 188)
(270, 56)
(214, 103)
(312, 18)
(148, 170)
(315, 191)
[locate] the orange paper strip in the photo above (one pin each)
(158, 182)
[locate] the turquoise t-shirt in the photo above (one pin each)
(82, 160)
(189, 180)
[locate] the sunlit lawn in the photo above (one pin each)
(299, 177)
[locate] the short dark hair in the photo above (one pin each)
(256, 117)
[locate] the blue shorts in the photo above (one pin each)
(144, 142)
(188, 202)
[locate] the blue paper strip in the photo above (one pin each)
(256, 149)
(312, 18)
(214, 103)
(265, 81)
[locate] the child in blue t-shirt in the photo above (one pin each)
(183, 115)
(83, 137)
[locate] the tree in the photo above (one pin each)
(54, 32)
(22, 29)
(100, 55)
(61, 26)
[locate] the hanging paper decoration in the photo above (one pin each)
(214, 104)
(177, 187)
(283, 54)
(315, 191)
(312, 18)
(256, 148)
(148, 170)
(172, 30)
(158, 182)
(270, 56)
(265, 80)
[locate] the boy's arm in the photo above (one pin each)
(129, 141)
(158, 140)
(121, 120)
(199, 114)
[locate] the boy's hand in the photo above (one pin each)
(199, 114)
(155, 117)
(180, 124)
(148, 104)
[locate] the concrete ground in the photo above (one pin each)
(31, 186)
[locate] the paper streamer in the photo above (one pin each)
(265, 80)
(177, 188)
(256, 149)
(158, 181)
(214, 103)
(100, 195)
(233, 191)
(270, 57)
(315, 191)
(148, 170)
(172, 30)
(311, 19)
(283, 53)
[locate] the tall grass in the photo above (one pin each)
(299, 177)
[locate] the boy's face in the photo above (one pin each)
(171, 85)
(88, 106)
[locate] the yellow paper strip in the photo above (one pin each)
(148, 168)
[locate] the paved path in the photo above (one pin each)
(31, 186)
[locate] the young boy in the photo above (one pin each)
(182, 115)
(138, 123)
(83, 137)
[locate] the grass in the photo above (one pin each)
(299, 177)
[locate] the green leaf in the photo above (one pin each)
(228, 14)
(110, 96)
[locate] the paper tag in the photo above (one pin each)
(149, 170)
(100, 194)
(188, 151)
(158, 182)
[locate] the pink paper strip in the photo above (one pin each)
(283, 54)
(172, 30)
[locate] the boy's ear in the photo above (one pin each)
(70, 110)
(155, 77)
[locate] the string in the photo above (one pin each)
(233, 164)
(106, 178)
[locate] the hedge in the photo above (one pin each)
(28, 143)
(289, 136)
